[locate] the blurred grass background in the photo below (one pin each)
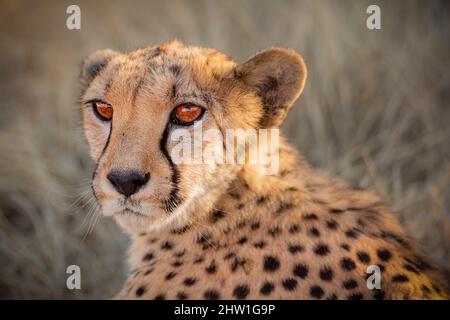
(375, 111)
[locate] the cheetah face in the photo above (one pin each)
(133, 103)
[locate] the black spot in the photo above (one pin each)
(229, 256)
(301, 271)
(147, 272)
(180, 230)
(316, 292)
(400, 278)
(261, 200)
(363, 256)
(170, 275)
(182, 296)
(241, 291)
(177, 263)
(238, 262)
(310, 216)
(351, 233)
(332, 297)
(378, 295)
(140, 291)
(295, 248)
(355, 296)
(203, 238)
(289, 284)
(321, 250)
(336, 211)
(149, 256)
(160, 296)
(331, 224)
(271, 264)
(384, 254)
(241, 224)
(189, 281)
(314, 232)
(199, 260)
(217, 215)
(211, 295)
(350, 284)
(348, 264)
(240, 206)
(167, 245)
(211, 268)
(267, 288)
(326, 274)
(242, 240)
(180, 253)
(284, 206)
(295, 228)
(345, 246)
(275, 231)
(235, 264)
(260, 244)
(255, 226)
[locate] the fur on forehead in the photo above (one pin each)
(264, 87)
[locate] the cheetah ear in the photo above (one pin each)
(94, 63)
(278, 77)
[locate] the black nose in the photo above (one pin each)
(128, 182)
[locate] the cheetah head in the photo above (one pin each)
(133, 103)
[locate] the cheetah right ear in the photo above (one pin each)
(277, 76)
(94, 63)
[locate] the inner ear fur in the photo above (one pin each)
(94, 63)
(277, 76)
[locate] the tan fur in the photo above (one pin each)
(231, 220)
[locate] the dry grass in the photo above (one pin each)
(375, 111)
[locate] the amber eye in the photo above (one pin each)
(186, 113)
(102, 110)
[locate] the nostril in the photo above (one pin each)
(142, 180)
(127, 182)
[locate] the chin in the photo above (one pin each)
(135, 218)
(134, 223)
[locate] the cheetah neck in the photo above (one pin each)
(217, 216)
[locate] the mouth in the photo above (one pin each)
(131, 208)
(128, 211)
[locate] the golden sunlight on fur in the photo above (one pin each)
(221, 231)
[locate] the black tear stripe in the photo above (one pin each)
(100, 158)
(174, 199)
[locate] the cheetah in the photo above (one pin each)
(226, 231)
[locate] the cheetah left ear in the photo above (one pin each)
(94, 63)
(278, 77)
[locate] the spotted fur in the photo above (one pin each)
(225, 231)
